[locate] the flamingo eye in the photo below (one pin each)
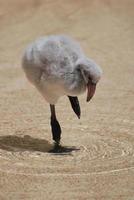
(91, 81)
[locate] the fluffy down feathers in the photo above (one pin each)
(51, 64)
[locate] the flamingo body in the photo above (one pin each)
(50, 62)
(57, 66)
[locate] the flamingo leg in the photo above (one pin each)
(55, 126)
(75, 105)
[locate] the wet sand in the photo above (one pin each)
(99, 164)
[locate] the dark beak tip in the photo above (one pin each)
(88, 100)
(91, 91)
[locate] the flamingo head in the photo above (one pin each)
(91, 73)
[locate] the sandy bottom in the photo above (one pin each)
(99, 160)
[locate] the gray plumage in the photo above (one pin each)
(57, 66)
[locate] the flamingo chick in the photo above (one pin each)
(57, 66)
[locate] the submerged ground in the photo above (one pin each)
(101, 165)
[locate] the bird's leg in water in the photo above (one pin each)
(75, 105)
(55, 126)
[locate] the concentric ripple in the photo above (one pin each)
(30, 156)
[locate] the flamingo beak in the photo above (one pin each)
(91, 87)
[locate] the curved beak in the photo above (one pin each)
(91, 87)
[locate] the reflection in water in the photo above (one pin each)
(62, 150)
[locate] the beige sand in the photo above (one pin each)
(102, 165)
